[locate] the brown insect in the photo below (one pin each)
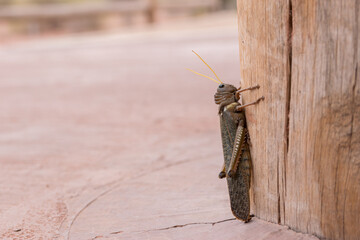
(236, 144)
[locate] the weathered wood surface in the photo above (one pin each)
(263, 58)
(305, 136)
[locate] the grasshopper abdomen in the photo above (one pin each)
(236, 166)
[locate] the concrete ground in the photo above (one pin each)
(109, 137)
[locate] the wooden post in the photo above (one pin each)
(306, 134)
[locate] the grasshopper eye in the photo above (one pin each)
(221, 85)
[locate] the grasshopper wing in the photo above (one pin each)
(236, 149)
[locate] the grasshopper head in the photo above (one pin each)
(225, 94)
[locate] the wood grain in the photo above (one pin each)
(306, 135)
(322, 193)
(264, 57)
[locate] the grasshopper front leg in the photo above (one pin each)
(246, 89)
(238, 108)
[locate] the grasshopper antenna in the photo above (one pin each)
(208, 66)
(203, 75)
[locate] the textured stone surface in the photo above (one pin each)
(109, 137)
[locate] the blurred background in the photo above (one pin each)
(102, 127)
(44, 17)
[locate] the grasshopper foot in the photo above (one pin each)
(262, 98)
(222, 174)
(249, 218)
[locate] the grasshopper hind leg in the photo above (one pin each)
(222, 173)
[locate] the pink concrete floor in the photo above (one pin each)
(109, 137)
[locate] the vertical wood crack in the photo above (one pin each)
(288, 88)
(281, 200)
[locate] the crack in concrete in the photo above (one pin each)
(166, 228)
(116, 184)
(189, 224)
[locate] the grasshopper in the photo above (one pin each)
(236, 144)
